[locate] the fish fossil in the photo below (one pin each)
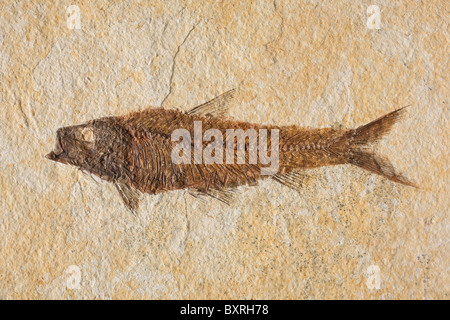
(135, 151)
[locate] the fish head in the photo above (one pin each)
(75, 145)
(96, 147)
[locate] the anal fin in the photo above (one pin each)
(293, 180)
(226, 196)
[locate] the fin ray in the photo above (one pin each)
(224, 195)
(215, 107)
(372, 132)
(130, 196)
(293, 180)
(379, 165)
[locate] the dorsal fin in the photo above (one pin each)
(216, 107)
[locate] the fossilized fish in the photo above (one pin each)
(135, 151)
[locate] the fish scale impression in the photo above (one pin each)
(158, 150)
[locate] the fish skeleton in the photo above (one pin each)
(135, 151)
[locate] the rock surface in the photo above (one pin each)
(349, 234)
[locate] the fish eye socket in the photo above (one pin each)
(87, 134)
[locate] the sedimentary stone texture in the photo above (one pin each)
(349, 234)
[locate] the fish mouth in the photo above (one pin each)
(57, 154)
(53, 156)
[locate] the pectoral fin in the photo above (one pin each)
(215, 107)
(130, 196)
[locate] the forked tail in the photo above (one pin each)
(360, 155)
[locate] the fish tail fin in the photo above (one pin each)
(361, 156)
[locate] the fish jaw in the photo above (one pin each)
(58, 154)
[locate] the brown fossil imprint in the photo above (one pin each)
(134, 151)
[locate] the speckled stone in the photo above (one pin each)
(349, 234)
